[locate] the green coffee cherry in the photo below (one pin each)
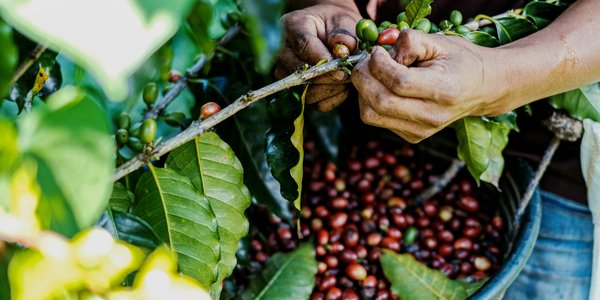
(366, 30)
(462, 29)
(401, 17)
(410, 235)
(135, 129)
(122, 136)
(403, 25)
(135, 144)
(385, 24)
(434, 28)
(445, 25)
(488, 29)
(124, 120)
(456, 17)
(423, 25)
(150, 93)
(147, 131)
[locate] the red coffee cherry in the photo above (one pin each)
(209, 109)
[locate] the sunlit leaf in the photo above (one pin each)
(481, 38)
(411, 279)
(499, 134)
(508, 119)
(512, 28)
(284, 144)
(217, 173)
(286, 276)
(110, 50)
(417, 10)
(69, 141)
(182, 218)
(9, 153)
(543, 12)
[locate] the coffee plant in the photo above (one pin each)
(138, 161)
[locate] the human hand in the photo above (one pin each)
(311, 33)
(428, 81)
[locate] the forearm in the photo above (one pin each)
(563, 56)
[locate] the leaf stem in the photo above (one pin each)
(199, 127)
(192, 72)
(34, 55)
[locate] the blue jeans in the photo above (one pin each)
(560, 266)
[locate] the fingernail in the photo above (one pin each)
(338, 75)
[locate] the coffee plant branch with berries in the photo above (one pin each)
(115, 172)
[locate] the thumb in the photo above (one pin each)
(414, 46)
(343, 31)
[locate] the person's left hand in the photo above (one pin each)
(428, 81)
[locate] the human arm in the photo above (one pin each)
(429, 81)
(311, 33)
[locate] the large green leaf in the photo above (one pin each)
(121, 198)
(182, 217)
(216, 172)
(205, 21)
(8, 58)
(499, 134)
(261, 19)
(543, 12)
(284, 144)
(98, 40)
(411, 279)
(129, 228)
(474, 140)
(288, 276)
(582, 103)
(417, 10)
(69, 139)
(508, 119)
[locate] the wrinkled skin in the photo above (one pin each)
(428, 81)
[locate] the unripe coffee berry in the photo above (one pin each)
(341, 51)
(150, 93)
(124, 120)
(122, 136)
(209, 109)
(147, 131)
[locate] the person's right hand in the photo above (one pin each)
(311, 33)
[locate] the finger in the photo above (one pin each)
(287, 63)
(303, 40)
(408, 130)
(332, 102)
(318, 92)
(414, 82)
(415, 46)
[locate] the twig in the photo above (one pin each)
(199, 127)
(536, 179)
(24, 66)
(191, 73)
(441, 183)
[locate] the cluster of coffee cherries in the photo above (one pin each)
(366, 203)
(139, 137)
(387, 32)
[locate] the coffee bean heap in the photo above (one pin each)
(365, 204)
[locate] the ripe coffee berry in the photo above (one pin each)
(356, 272)
(341, 51)
(209, 109)
(174, 76)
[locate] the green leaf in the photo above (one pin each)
(70, 141)
(121, 198)
(508, 119)
(206, 21)
(474, 140)
(103, 47)
(417, 10)
(9, 55)
(288, 276)
(543, 12)
(261, 19)
(471, 288)
(411, 279)
(9, 152)
(214, 170)
(499, 134)
(129, 228)
(182, 217)
(284, 144)
(512, 28)
(481, 38)
(582, 103)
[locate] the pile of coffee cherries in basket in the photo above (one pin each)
(366, 203)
